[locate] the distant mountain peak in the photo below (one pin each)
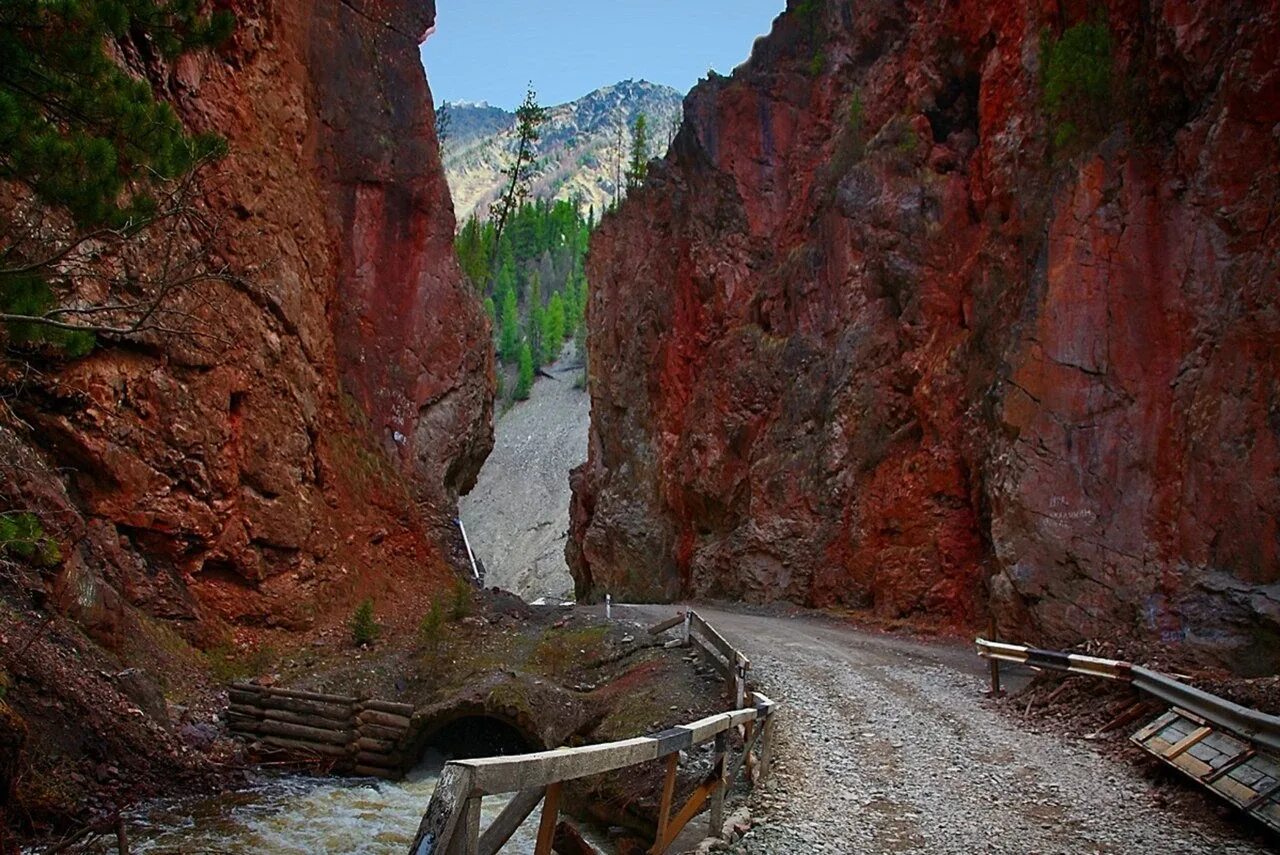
(579, 153)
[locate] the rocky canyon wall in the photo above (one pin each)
(308, 445)
(889, 329)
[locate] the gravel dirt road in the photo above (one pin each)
(887, 746)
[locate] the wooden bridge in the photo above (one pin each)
(451, 825)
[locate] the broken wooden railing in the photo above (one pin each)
(451, 825)
(715, 651)
(361, 736)
(1231, 749)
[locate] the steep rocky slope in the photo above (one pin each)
(578, 155)
(884, 330)
(311, 445)
(517, 517)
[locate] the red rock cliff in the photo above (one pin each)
(314, 453)
(869, 336)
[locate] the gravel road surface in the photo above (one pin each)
(887, 746)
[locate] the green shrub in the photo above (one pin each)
(431, 628)
(364, 629)
(1078, 81)
(22, 537)
(460, 603)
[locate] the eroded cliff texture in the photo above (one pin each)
(307, 445)
(880, 332)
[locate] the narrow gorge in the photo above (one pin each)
(931, 321)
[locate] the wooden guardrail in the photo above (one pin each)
(451, 825)
(361, 736)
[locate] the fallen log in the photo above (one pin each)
(299, 732)
(299, 746)
(383, 718)
(295, 694)
(391, 707)
(263, 703)
(380, 746)
(377, 731)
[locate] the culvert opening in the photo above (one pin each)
(470, 736)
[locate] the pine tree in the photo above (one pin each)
(87, 137)
(553, 330)
(74, 125)
(537, 316)
(524, 385)
(638, 168)
(509, 332)
(364, 629)
(530, 117)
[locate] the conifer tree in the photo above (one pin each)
(553, 330)
(638, 168)
(509, 332)
(537, 316)
(89, 138)
(525, 382)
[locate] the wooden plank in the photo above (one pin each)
(710, 656)
(436, 830)
(1189, 741)
(391, 707)
(510, 820)
(716, 823)
(668, 795)
(522, 772)
(688, 812)
(466, 839)
(752, 738)
(547, 827)
(716, 640)
(766, 747)
(669, 623)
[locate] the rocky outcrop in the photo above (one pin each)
(299, 450)
(884, 330)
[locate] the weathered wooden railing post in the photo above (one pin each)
(766, 747)
(717, 795)
(547, 827)
(466, 840)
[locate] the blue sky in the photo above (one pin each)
(489, 51)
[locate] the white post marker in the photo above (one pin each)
(687, 614)
(475, 571)
(608, 606)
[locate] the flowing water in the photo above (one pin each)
(302, 816)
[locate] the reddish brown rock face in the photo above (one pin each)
(867, 338)
(310, 456)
